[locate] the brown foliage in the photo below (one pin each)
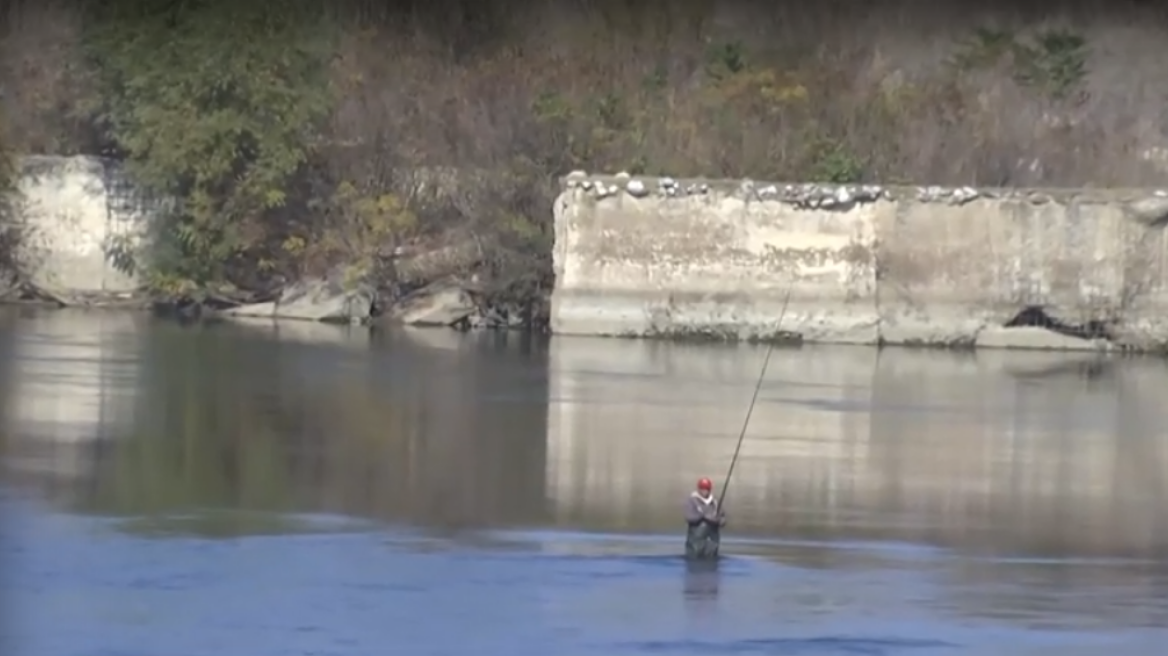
(470, 111)
(10, 233)
(690, 89)
(44, 78)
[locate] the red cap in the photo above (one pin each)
(705, 484)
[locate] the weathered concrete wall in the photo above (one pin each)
(848, 264)
(76, 213)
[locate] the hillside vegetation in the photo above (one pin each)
(9, 228)
(305, 135)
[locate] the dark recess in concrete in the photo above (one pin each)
(1034, 316)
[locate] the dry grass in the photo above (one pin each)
(594, 85)
(43, 77)
(10, 232)
(836, 93)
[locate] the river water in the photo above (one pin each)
(316, 490)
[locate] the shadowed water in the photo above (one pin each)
(319, 490)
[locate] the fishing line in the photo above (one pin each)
(753, 401)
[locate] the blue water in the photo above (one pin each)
(85, 587)
(223, 491)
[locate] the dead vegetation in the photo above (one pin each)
(452, 120)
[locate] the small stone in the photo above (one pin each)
(623, 175)
(963, 195)
(636, 188)
(1150, 211)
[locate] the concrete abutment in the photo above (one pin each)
(1022, 268)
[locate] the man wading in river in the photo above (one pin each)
(705, 521)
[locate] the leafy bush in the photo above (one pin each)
(215, 105)
(1054, 62)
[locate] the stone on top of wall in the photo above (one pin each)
(827, 195)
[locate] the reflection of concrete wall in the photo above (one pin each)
(74, 374)
(954, 265)
(1046, 449)
(1034, 445)
(389, 426)
(632, 425)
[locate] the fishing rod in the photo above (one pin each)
(753, 401)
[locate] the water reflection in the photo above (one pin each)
(1043, 471)
(1036, 453)
(77, 374)
(1028, 453)
(702, 581)
(227, 418)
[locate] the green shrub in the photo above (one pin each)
(216, 105)
(1053, 62)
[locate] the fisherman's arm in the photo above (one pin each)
(693, 514)
(714, 516)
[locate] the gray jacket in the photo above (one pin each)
(698, 510)
(705, 520)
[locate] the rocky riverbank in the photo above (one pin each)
(80, 232)
(449, 303)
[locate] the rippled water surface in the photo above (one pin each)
(307, 489)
